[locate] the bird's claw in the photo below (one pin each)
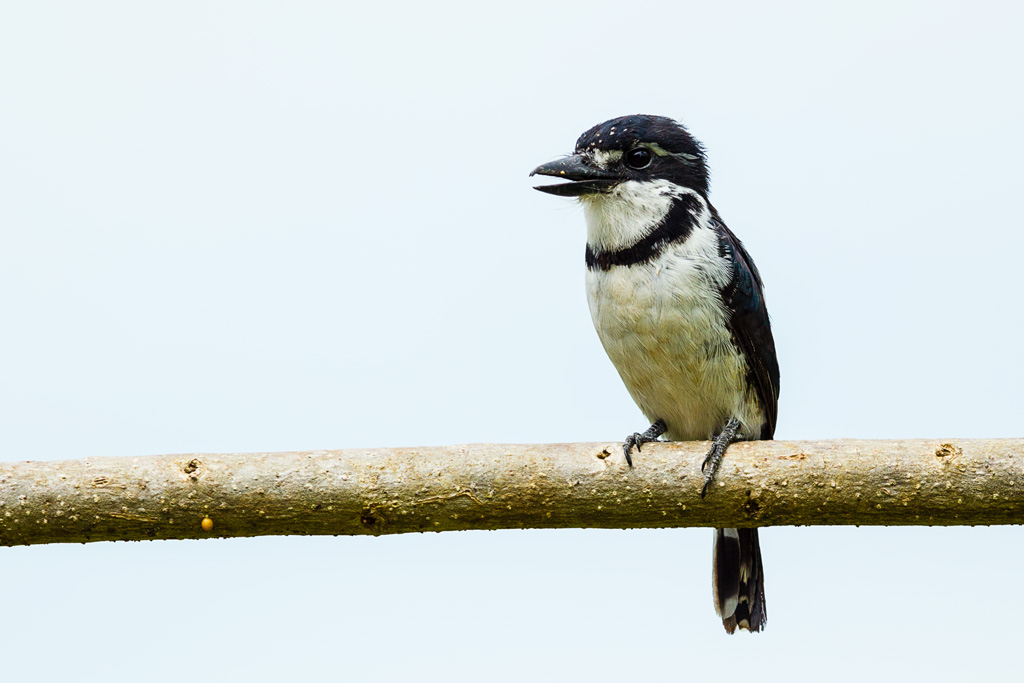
(634, 439)
(637, 439)
(714, 457)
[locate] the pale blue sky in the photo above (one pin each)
(275, 226)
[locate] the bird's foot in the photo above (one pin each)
(637, 439)
(714, 457)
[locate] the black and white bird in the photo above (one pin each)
(679, 307)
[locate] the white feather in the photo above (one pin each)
(622, 217)
(663, 323)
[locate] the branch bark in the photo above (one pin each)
(401, 490)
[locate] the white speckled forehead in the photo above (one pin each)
(606, 138)
(663, 136)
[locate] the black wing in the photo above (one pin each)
(749, 324)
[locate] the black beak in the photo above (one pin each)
(586, 178)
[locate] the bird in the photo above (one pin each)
(679, 307)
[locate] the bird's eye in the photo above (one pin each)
(638, 158)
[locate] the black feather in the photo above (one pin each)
(751, 329)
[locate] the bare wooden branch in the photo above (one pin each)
(401, 490)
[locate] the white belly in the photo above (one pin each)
(665, 328)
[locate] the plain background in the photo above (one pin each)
(275, 226)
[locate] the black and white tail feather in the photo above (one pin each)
(737, 579)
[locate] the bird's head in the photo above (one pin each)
(638, 148)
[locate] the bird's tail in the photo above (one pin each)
(738, 580)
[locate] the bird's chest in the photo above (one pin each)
(665, 328)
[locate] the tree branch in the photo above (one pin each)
(401, 490)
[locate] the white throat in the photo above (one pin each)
(621, 218)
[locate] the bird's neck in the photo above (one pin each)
(634, 221)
